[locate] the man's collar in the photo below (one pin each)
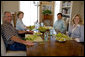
(7, 23)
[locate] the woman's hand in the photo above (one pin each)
(30, 32)
(77, 39)
(22, 32)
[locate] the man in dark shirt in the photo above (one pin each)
(10, 34)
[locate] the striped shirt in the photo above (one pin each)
(7, 31)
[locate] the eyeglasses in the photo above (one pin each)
(8, 16)
(76, 18)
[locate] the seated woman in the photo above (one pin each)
(19, 24)
(76, 29)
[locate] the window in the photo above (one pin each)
(57, 8)
(30, 12)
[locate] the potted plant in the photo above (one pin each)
(46, 13)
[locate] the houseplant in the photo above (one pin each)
(46, 13)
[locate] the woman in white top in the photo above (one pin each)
(20, 26)
(76, 29)
(19, 23)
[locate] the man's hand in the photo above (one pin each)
(29, 43)
(19, 40)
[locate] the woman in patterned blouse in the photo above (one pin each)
(76, 29)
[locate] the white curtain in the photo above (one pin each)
(30, 12)
(57, 10)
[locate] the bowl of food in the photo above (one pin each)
(42, 29)
(38, 33)
(31, 27)
(62, 37)
(62, 40)
(33, 38)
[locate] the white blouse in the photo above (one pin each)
(20, 25)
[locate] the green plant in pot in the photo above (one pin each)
(46, 13)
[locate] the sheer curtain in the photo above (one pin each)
(30, 12)
(57, 10)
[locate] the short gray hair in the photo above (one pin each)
(6, 12)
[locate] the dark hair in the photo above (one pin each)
(20, 12)
(59, 14)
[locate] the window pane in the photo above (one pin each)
(57, 8)
(30, 12)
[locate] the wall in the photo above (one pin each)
(10, 6)
(1, 13)
(82, 9)
(78, 8)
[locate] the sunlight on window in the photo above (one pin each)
(30, 12)
(57, 9)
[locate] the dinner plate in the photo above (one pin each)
(61, 41)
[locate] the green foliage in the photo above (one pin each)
(47, 12)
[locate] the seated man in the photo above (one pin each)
(10, 34)
(59, 25)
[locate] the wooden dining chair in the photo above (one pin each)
(48, 21)
(14, 18)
